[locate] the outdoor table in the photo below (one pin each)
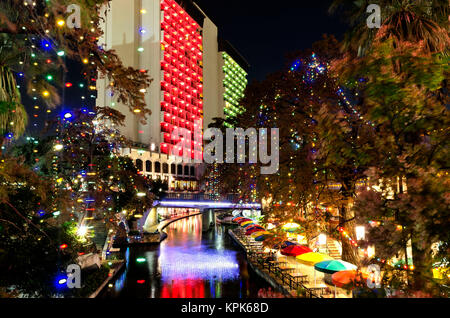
(316, 288)
(285, 271)
(281, 262)
(297, 278)
(265, 261)
(276, 264)
(272, 264)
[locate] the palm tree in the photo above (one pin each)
(413, 21)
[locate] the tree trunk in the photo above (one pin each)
(423, 262)
(349, 252)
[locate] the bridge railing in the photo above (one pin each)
(202, 197)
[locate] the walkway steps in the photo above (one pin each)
(333, 251)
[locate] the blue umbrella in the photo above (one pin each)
(285, 244)
(262, 237)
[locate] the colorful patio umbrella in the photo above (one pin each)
(251, 231)
(262, 237)
(244, 220)
(284, 244)
(333, 266)
(295, 250)
(246, 223)
(254, 226)
(313, 258)
(237, 219)
(260, 233)
(291, 227)
(348, 278)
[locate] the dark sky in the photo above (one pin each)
(264, 31)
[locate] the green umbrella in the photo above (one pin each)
(333, 266)
(292, 228)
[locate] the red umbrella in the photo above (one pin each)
(253, 231)
(295, 250)
(348, 278)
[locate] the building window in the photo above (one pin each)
(193, 171)
(157, 167)
(139, 164)
(180, 170)
(186, 170)
(165, 168)
(173, 169)
(148, 166)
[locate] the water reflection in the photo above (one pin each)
(189, 264)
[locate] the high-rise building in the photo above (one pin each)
(233, 71)
(195, 78)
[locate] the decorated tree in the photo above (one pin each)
(34, 249)
(405, 97)
(38, 37)
(323, 151)
(85, 160)
(401, 20)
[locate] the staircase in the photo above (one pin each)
(332, 248)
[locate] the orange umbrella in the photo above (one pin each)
(349, 278)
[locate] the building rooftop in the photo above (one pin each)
(225, 46)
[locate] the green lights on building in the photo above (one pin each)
(234, 83)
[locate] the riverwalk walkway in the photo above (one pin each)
(285, 272)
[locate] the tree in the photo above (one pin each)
(402, 20)
(325, 143)
(85, 160)
(37, 40)
(33, 250)
(405, 97)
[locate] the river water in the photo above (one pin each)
(188, 264)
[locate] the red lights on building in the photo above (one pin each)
(182, 84)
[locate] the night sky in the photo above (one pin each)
(264, 31)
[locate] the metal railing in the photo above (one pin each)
(202, 197)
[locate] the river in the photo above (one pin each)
(188, 264)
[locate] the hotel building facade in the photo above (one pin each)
(196, 77)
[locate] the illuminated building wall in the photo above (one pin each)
(161, 37)
(178, 45)
(234, 84)
(233, 70)
(181, 78)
